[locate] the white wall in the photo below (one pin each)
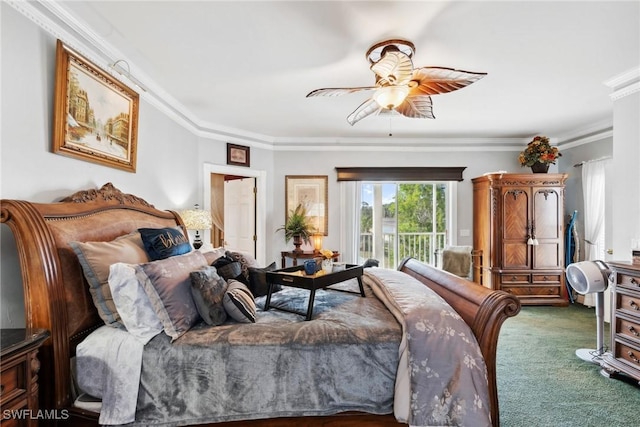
(626, 174)
(167, 174)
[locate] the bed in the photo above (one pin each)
(57, 299)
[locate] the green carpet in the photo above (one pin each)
(541, 382)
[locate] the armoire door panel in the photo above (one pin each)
(515, 255)
(515, 214)
(546, 214)
(547, 256)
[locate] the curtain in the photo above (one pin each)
(217, 209)
(593, 191)
(349, 220)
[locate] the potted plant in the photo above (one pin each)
(297, 227)
(539, 154)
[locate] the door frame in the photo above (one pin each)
(261, 199)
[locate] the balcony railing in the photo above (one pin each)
(421, 246)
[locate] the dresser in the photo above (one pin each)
(518, 227)
(624, 355)
(20, 366)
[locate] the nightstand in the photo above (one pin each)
(20, 366)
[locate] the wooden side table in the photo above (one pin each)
(295, 256)
(20, 366)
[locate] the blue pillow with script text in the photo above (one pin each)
(161, 243)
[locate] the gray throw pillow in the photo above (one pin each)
(228, 268)
(208, 291)
(167, 283)
(246, 260)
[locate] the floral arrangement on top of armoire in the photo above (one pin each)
(539, 154)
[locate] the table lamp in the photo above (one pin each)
(316, 239)
(196, 219)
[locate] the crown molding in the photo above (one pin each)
(624, 84)
(595, 132)
(404, 144)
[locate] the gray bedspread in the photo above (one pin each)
(356, 354)
(441, 368)
(279, 366)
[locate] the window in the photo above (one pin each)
(401, 219)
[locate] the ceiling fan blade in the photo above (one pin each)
(417, 107)
(337, 91)
(365, 109)
(395, 68)
(437, 80)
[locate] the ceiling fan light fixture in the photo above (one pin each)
(390, 97)
(396, 77)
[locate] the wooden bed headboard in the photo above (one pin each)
(56, 294)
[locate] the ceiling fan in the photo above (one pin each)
(400, 87)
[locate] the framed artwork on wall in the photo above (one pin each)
(238, 155)
(95, 115)
(311, 192)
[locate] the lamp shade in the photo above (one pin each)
(196, 219)
(390, 96)
(316, 239)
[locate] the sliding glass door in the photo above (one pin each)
(397, 220)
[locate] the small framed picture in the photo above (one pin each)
(95, 116)
(238, 155)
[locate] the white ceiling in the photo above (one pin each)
(243, 68)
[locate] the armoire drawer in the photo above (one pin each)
(546, 278)
(531, 290)
(514, 278)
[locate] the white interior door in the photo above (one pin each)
(240, 215)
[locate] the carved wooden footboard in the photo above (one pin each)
(57, 297)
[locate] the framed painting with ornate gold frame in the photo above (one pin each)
(95, 115)
(310, 191)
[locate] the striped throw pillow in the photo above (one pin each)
(238, 302)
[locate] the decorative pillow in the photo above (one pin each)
(246, 260)
(95, 259)
(132, 303)
(207, 289)
(211, 253)
(258, 280)
(167, 282)
(228, 268)
(161, 243)
(238, 302)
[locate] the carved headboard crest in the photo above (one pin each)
(107, 192)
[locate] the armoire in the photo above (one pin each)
(518, 231)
